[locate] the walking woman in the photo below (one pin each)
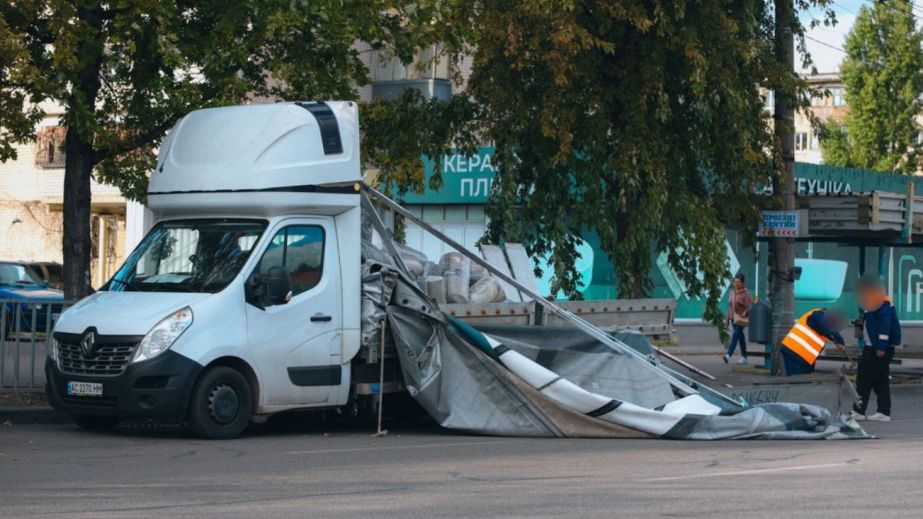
(738, 317)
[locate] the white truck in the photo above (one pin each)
(244, 298)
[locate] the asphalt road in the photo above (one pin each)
(294, 468)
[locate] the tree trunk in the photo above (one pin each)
(781, 250)
(78, 169)
(636, 288)
(80, 159)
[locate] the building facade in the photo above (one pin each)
(829, 103)
(31, 200)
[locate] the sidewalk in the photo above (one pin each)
(27, 408)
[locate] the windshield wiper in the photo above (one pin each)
(182, 287)
(128, 284)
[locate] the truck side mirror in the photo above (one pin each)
(253, 291)
(278, 285)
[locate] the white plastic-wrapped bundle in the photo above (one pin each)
(435, 288)
(431, 268)
(413, 259)
(457, 271)
(413, 264)
(487, 290)
(477, 273)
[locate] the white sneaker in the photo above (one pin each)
(742, 361)
(725, 358)
(878, 417)
(859, 417)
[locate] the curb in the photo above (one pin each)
(22, 415)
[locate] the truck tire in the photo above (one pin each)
(89, 422)
(221, 404)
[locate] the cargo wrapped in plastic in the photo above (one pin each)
(457, 271)
(435, 288)
(487, 290)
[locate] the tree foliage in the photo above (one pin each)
(640, 121)
(127, 70)
(883, 76)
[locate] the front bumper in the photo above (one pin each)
(158, 388)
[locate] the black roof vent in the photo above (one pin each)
(329, 128)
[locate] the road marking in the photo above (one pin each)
(397, 447)
(747, 472)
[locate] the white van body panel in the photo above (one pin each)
(291, 336)
(123, 313)
(348, 224)
(255, 147)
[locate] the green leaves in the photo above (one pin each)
(641, 122)
(158, 60)
(883, 75)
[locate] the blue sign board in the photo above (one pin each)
(782, 224)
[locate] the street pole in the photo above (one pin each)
(782, 250)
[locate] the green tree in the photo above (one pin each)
(640, 121)
(883, 76)
(127, 70)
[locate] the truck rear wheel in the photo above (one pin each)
(221, 404)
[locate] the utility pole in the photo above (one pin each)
(782, 250)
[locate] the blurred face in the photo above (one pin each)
(869, 298)
(738, 284)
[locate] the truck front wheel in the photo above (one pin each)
(221, 404)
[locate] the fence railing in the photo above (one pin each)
(25, 328)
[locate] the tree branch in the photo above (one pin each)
(136, 142)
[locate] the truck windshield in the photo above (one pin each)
(201, 255)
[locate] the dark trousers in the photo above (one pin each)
(874, 374)
(738, 336)
(795, 365)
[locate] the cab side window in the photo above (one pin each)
(298, 250)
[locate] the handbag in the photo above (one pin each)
(738, 319)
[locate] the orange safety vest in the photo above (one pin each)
(803, 341)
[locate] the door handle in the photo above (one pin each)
(320, 318)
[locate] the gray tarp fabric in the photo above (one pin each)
(463, 387)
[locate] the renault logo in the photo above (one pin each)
(88, 343)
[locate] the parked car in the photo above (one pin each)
(18, 282)
(51, 272)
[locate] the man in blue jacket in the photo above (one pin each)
(882, 332)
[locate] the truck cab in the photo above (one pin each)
(243, 300)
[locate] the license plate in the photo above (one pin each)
(84, 389)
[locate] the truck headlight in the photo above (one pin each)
(163, 335)
(53, 350)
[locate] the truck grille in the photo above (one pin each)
(106, 359)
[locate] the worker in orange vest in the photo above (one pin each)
(806, 340)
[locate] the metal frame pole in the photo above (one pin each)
(578, 322)
(33, 331)
(3, 333)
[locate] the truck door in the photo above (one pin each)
(295, 342)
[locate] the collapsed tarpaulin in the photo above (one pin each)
(542, 381)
